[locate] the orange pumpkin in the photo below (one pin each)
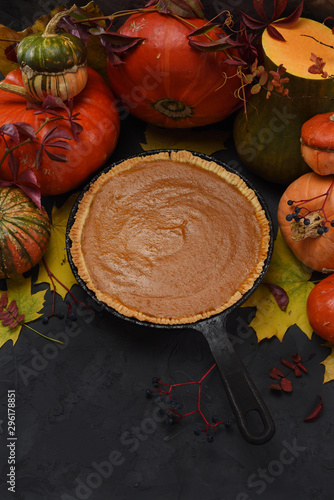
(320, 308)
(167, 82)
(317, 143)
(101, 126)
(312, 242)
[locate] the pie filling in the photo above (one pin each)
(169, 238)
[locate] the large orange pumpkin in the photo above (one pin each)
(310, 192)
(167, 82)
(101, 125)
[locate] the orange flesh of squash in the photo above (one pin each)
(295, 53)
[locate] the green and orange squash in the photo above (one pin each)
(24, 232)
(267, 139)
(53, 63)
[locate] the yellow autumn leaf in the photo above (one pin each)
(56, 255)
(30, 304)
(288, 272)
(206, 141)
(329, 364)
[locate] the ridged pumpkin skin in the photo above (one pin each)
(54, 64)
(316, 253)
(101, 123)
(268, 141)
(317, 143)
(24, 232)
(166, 82)
(320, 308)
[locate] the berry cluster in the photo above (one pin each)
(306, 216)
(172, 409)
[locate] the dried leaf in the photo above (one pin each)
(292, 18)
(275, 34)
(56, 255)
(275, 387)
(214, 46)
(296, 358)
(280, 295)
(315, 414)
(287, 272)
(11, 130)
(203, 29)
(279, 7)
(286, 385)
(287, 363)
(3, 300)
(259, 7)
(329, 365)
(29, 304)
(276, 373)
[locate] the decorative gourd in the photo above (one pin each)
(313, 195)
(165, 81)
(317, 143)
(101, 125)
(24, 232)
(53, 63)
(320, 308)
(268, 143)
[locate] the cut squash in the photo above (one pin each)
(268, 139)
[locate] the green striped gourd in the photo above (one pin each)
(24, 232)
(53, 63)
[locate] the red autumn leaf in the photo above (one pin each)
(276, 373)
(259, 7)
(275, 387)
(287, 363)
(286, 385)
(214, 46)
(20, 318)
(296, 358)
(315, 414)
(3, 300)
(12, 308)
(297, 372)
(274, 33)
(292, 18)
(279, 294)
(302, 367)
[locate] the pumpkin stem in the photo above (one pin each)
(299, 231)
(16, 89)
(51, 27)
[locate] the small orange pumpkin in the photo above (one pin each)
(320, 308)
(311, 242)
(317, 143)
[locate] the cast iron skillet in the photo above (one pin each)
(253, 418)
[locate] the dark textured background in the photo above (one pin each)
(84, 404)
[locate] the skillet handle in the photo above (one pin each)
(249, 409)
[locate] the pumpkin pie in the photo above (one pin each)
(169, 238)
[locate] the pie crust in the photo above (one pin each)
(169, 238)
